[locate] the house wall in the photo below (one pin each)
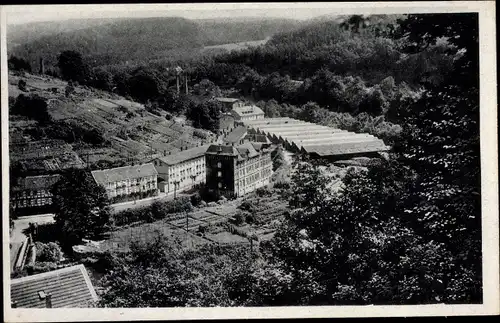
(237, 178)
(253, 173)
(31, 201)
(220, 174)
(187, 174)
(128, 187)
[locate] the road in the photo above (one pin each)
(144, 202)
(17, 236)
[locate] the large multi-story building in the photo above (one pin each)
(181, 171)
(234, 171)
(128, 182)
(31, 194)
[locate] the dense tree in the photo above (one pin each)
(163, 274)
(18, 64)
(405, 231)
(144, 85)
(205, 115)
(31, 106)
(441, 142)
(72, 66)
(81, 207)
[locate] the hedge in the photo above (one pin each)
(156, 211)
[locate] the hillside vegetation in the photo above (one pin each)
(124, 41)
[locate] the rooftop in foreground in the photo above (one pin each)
(69, 287)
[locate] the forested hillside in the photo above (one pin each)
(124, 41)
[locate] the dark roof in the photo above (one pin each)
(222, 150)
(123, 173)
(184, 155)
(347, 148)
(70, 287)
(236, 135)
(242, 152)
(42, 182)
(247, 150)
(253, 137)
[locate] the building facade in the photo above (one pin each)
(31, 194)
(128, 182)
(247, 113)
(234, 171)
(181, 171)
(229, 103)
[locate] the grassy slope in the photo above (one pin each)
(89, 106)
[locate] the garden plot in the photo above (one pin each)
(121, 240)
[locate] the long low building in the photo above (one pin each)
(318, 141)
(128, 182)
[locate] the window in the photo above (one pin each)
(219, 174)
(219, 165)
(220, 185)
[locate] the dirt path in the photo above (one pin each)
(17, 235)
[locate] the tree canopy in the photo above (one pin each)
(81, 207)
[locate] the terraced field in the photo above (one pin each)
(132, 132)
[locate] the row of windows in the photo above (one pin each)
(199, 161)
(133, 181)
(33, 202)
(41, 193)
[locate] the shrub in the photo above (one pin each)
(40, 267)
(239, 218)
(263, 191)
(247, 206)
(48, 252)
(196, 199)
(22, 85)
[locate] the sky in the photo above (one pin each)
(31, 13)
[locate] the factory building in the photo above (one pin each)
(318, 141)
(235, 170)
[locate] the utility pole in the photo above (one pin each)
(187, 228)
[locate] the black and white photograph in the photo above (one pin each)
(249, 160)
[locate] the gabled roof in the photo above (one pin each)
(236, 135)
(123, 173)
(247, 150)
(69, 287)
(253, 137)
(42, 182)
(184, 155)
(247, 110)
(227, 100)
(222, 150)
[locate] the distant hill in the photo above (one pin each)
(25, 33)
(224, 31)
(116, 41)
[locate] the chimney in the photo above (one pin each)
(48, 301)
(42, 67)
(186, 82)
